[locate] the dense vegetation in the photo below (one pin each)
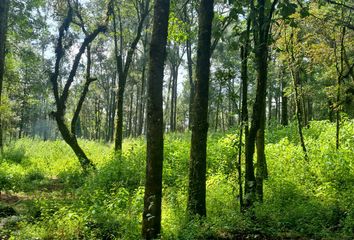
(188, 119)
(54, 200)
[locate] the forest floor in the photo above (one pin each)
(44, 194)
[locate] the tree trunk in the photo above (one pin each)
(217, 114)
(4, 8)
(190, 70)
(136, 114)
(174, 74)
(142, 102)
(151, 225)
(197, 166)
(244, 51)
(261, 22)
(123, 67)
(270, 98)
(296, 81)
(61, 99)
(284, 104)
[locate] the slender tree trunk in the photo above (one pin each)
(294, 65)
(123, 67)
(136, 114)
(340, 72)
(244, 51)
(175, 81)
(284, 104)
(218, 100)
(172, 107)
(190, 70)
(130, 115)
(151, 225)
(270, 98)
(296, 81)
(197, 166)
(4, 8)
(142, 102)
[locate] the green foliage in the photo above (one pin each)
(302, 199)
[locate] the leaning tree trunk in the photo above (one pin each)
(4, 8)
(61, 98)
(197, 164)
(151, 225)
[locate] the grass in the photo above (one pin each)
(43, 183)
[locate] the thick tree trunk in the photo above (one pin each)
(151, 225)
(4, 8)
(197, 166)
(71, 140)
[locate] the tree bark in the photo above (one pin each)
(151, 225)
(197, 165)
(4, 8)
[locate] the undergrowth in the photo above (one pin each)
(303, 199)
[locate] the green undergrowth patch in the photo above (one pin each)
(311, 199)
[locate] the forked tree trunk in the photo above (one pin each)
(151, 225)
(261, 22)
(197, 164)
(61, 99)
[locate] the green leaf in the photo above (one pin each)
(304, 12)
(287, 9)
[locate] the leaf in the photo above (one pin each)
(304, 12)
(287, 9)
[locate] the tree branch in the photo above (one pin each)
(59, 53)
(340, 4)
(88, 39)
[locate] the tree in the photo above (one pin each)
(197, 163)
(4, 8)
(69, 135)
(261, 20)
(142, 9)
(153, 184)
